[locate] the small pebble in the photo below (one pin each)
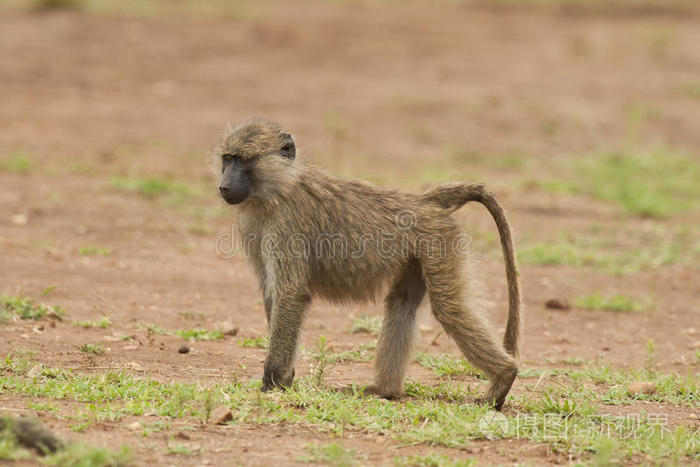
(134, 426)
(184, 349)
(220, 415)
(557, 304)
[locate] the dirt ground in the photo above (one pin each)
(382, 91)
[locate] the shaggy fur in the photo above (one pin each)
(308, 233)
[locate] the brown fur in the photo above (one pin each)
(290, 198)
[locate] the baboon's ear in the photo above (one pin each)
(288, 149)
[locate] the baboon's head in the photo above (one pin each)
(255, 160)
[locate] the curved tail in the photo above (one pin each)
(453, 196)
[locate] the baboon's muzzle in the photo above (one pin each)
(234, 195)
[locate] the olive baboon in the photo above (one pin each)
(291, 214)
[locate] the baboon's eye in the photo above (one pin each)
(229, 157)
(287, 147)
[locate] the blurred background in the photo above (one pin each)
(582, 115)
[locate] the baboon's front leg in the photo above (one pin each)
(287, 316)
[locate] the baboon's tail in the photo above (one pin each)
(454, 195)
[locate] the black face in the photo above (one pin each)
(236, 179)
(237, 173)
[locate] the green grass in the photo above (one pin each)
(12, 308)
(94, 251)
(361, 353)
(199, 334)
(434, 460)
(191, 315)
(93, 349)
(648, 184)
(446, 365)
(366, 324)
(330, 454)
(691, 88)
(563, 416)
(18, 163)
(81, 455)
(181, 449)
(258, 342)
(151, 328)
(639, 254)
(175, 192)
(616, 302)
(102, 323)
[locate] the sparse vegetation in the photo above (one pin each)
(691, 88)
(366, 324)
(434, 460)
(609, 258)
(442, 415)
(102, 323)
(361, 353)
(151, 328)
(199, 334)
(654, 184)
(73, 454)
(17, 163)
(173, 192)
(332, 454)
(93, 349)
(25, 308)
(191, 315)
(258, 342)
(94, 251)
(616, 302)
(446, 365)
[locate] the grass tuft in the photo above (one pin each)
(24, 308)
(93, 349)
(434, 460)
(617, 302)
(198, 334)
(102, 323)
(176, 193)
(19, 164)
(366, 324)
(446, 365)
(258, 342)
(332, 454)
(655, 184)
(94, 251)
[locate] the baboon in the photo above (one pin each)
(291, 215)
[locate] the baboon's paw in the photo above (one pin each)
(272, 379)
(375, 390)
(485, 401)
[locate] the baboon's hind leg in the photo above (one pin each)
(398, 331)
(463, 320)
